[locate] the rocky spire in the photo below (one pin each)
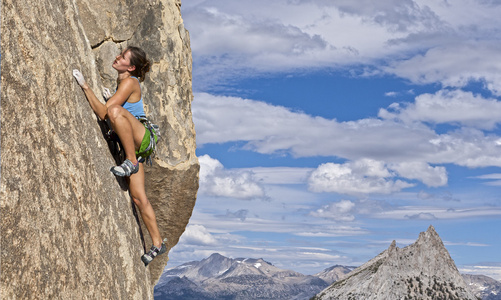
(423, 270)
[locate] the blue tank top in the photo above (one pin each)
(137, 108)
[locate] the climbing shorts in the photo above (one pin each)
(146, 148)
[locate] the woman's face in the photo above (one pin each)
(122, 62)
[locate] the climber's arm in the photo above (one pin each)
(124, 91)
(99, 108)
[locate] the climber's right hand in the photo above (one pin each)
(106, 94)
(79, 77)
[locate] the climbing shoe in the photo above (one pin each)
(126, 169)
(154, 252)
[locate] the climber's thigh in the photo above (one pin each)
(138, 129)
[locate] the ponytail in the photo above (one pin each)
(138, 59)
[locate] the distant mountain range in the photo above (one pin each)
(218, 277)
(423, 270)
(483, 287)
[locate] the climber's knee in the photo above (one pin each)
(114, 112)
(141, 202)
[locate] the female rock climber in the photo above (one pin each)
(122, 109)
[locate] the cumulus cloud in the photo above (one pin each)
(197, 235)
(354, 178)
(448, 106)
(217, 181)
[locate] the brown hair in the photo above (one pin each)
(138, 59)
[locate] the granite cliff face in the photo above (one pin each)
(68, 228)
(423, 270)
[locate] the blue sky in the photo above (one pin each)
(327, 129)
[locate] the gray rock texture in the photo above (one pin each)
(423, 270)
(68, 229)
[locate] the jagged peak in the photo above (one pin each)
(430, 238)
(423, 269)
(393, 245)
(392, 251)
(431, 231)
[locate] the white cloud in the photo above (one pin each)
(494, 179)
(208, 166)
(469, 244)
(217, 181)
(490, 176)
(355, 178)
(270, 129)
(220, 31)
(447, 106)
(466, 147)
(337, 211)
(431, 176)
(197, 235)
(455, 65)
